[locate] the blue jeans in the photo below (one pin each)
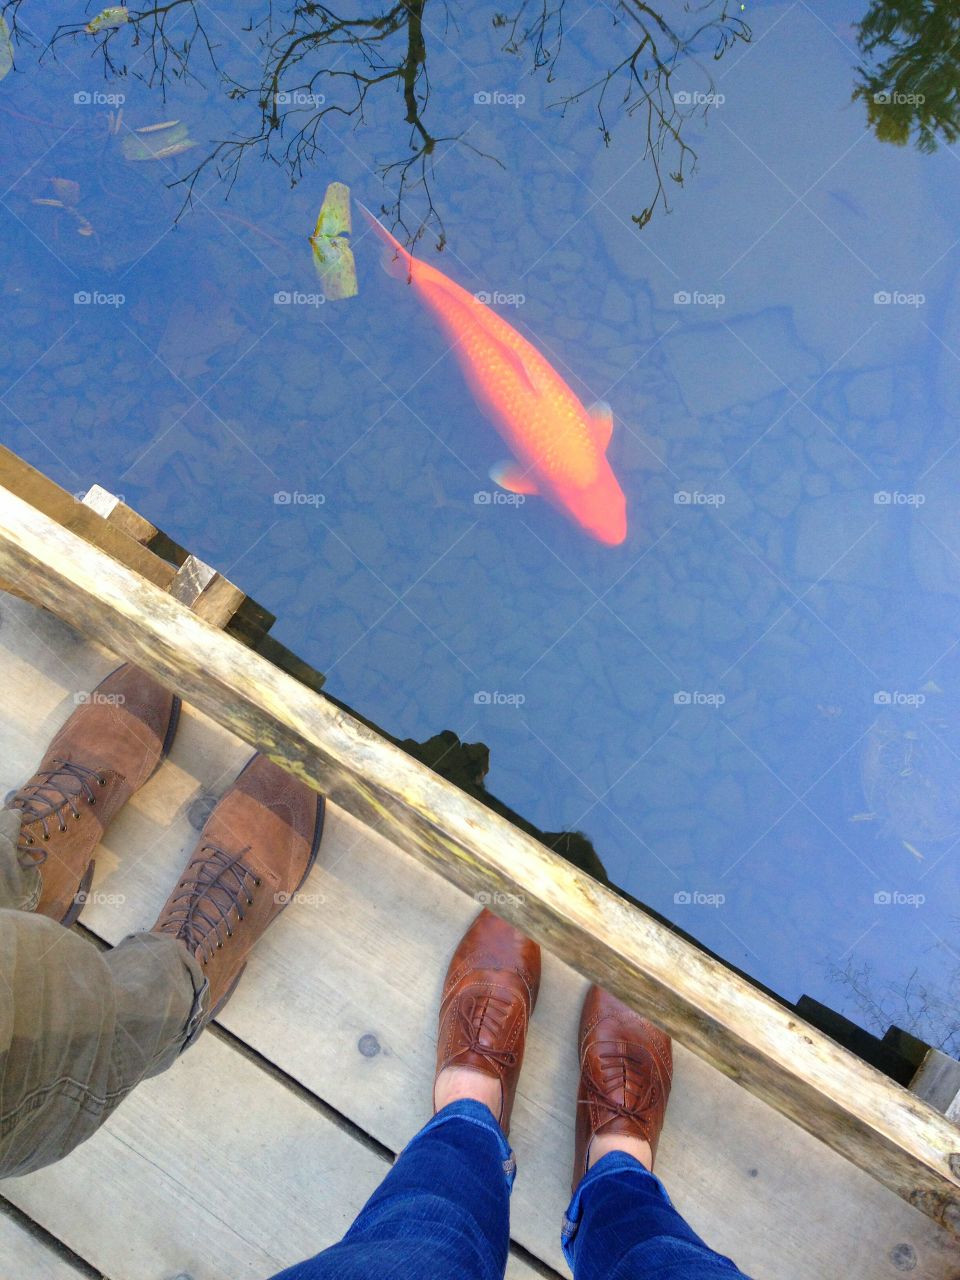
(444, 1210)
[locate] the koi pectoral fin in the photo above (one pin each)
(510, 476)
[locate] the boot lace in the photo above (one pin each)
(488, 1012)
(213, 887)
(48, 795)
(621, 1074)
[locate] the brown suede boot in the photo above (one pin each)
(626, 1068)
(488, 996)
(106, 751)
(254, 853)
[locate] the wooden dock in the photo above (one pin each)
(259, 1146)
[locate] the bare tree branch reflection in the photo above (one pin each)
(318, 68)
(916, 1006)
(644, 76)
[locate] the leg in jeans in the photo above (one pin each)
(622, 1226)
(79, 1028)
(442, 1210)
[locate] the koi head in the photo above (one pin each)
(601, 510)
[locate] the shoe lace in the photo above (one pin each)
(488, 1012)
(46, 796)
(216, 884)
(622, 1073)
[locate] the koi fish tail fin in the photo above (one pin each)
(396, 260)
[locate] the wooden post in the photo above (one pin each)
(893, 1135)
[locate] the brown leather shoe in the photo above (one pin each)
(254, 853)
(626, 1067)
(106, 751)
(488, 996)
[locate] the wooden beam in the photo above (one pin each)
(209, 595)
(114, 509)
(877, 1124)
(49, 498)
(938, 1082)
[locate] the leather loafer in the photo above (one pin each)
(488, 996)
(626, 1068)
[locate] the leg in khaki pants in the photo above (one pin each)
(78, 1027)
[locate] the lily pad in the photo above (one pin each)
(157, 142)
(332, 255)
(6, 48)
(115, 16)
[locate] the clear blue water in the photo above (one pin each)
(751, 706)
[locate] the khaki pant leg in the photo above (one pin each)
(79, 1027)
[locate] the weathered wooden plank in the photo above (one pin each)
(205, 591)
(878, 1125)
(342, 994)
(938, 1082)
(214, 1171)
(23, 1255)
(53, 501)
(116, 511)
(218, 600)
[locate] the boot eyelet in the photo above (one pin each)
(46, 835)
(257, 882)
(76, 816)
(92, 800)
(219, 946)
(102, 781)
(30, 840)
(249, 902)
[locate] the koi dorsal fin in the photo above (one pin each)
(601, 419)
(509, 475)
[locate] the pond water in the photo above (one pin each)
(750, 705)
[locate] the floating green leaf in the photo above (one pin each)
(115, 16)
(6, 48)
(157, 141)
(332, 255)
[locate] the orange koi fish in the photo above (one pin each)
(558, 446)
